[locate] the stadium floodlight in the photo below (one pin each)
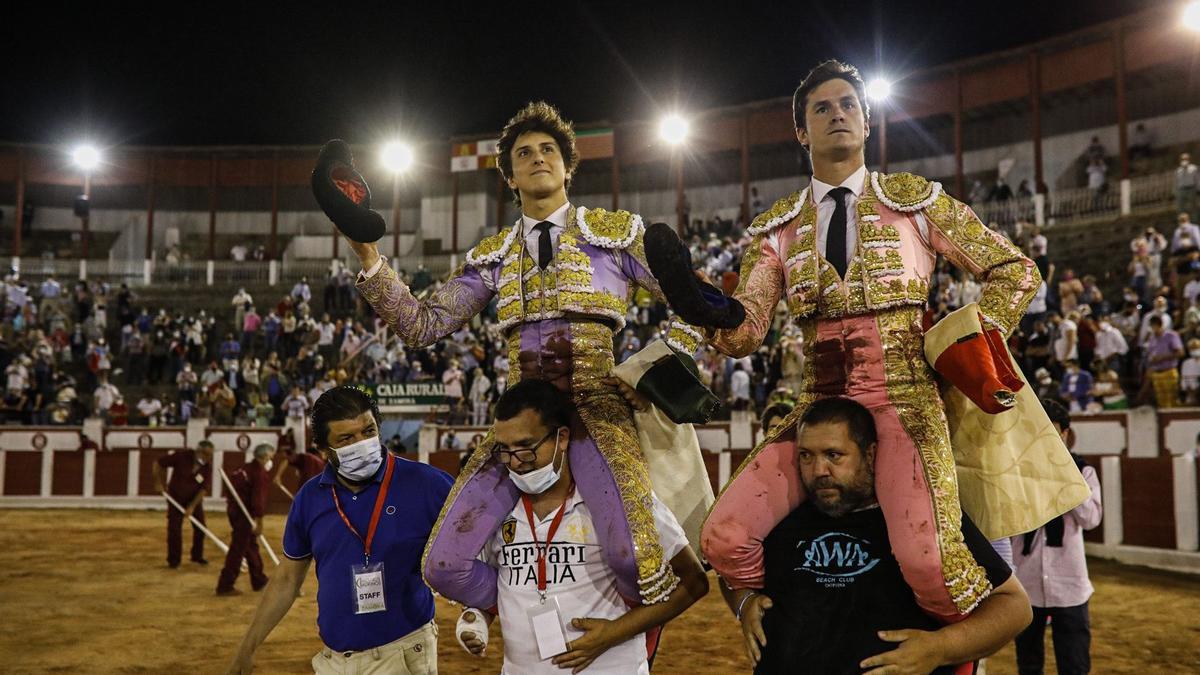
(1191, 16)
(879, 89)
(673, 129)
(86, 157)
(397, 156)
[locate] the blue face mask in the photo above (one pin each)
(359, 461)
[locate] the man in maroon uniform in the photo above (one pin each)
(306, 463)
(251, 482)
(188, 486)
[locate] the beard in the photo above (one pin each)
(858, 492)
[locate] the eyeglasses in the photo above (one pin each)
(524, 455)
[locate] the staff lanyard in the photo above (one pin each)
(542, 547)
(379, 500)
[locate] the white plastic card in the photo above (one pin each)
(547, 628)
(368, 588)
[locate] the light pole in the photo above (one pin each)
(397, 157)
(878, 90)
(87, 158)
(673, 129)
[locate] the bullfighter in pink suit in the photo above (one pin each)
(856, 278)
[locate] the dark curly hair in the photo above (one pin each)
(337, 404)
(824, 72)
(543, 117)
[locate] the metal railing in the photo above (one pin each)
(1067, 205)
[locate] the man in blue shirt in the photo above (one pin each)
(365, 520)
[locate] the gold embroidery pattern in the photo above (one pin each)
(421, 323)
(492, 248)
(609, 229)
(913, 393)
(1010, 279)
(905, 192)
(803, 282)
(609, 421)
(759, 289)
(780, 213)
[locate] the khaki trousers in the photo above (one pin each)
(413, 654)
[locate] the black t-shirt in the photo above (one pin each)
(834, 583)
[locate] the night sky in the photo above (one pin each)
(145, 75)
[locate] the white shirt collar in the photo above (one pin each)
(559, 218)
(854, 181)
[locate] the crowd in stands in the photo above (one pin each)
(73, 350)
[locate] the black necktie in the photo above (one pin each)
(545, 250)
(835, 242)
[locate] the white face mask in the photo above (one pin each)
(359, 461)
(539, 480)
(269, 465)
(1195, 353)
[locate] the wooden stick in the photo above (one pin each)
(246, 511)
(286, 492)
(215, 539)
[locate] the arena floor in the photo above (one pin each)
(89, 592)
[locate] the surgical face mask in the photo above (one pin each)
(359, 461)
(269, 465)
(1195, 353)
(539, 480)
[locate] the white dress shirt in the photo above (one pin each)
(558, 221)
(826, 204)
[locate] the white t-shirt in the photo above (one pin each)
(576, 575)
(1060, 345)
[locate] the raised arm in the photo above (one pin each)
(420, 323)
(759, 290)
(1009, 279)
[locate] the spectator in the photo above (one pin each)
(1066, 345)
(185, 382)
(1097, 181)
(118, 412)
(1187, 235)
(1141, 142)
(103, 398)
(295, 406)
(1051, 566)
(211, 376)
(241, 300)
(224, 404)
(238, 252)
(1069, 290)
(481, 388)
(1187, 178)
(1110, 343)
(451, 441)
(231, 351)
(1107, 388)
(1047, 386)
(1189, 374)
(756, 204)
(149, 410)
(1095, 150)
(1160, 311)
(1163, 351)
(1076, 386)
(251, 322)
(452, 378)
(301, 293)
(739, 387)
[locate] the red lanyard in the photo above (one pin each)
(379, 500)
(543, 547)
